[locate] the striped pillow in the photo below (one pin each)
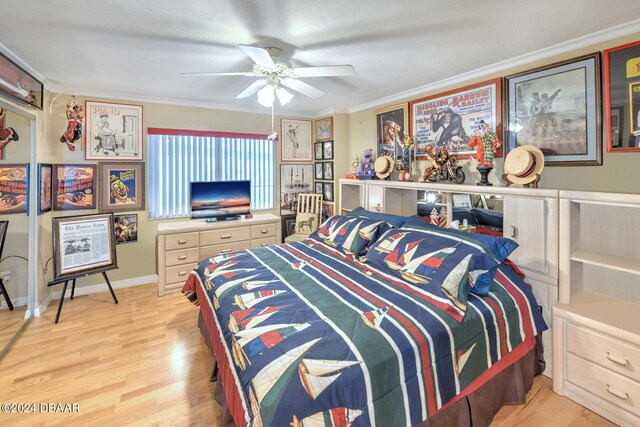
(352, 235)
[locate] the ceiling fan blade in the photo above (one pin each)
(329, 70)
(302, 87)
(240, 73)
(253, 88)
(259, 55)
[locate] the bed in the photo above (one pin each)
(306, 334)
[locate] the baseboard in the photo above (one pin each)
(18, 302)
(42, 307)
(102, 287)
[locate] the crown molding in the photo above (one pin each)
(548, 52)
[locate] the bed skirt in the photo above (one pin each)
(508, 387)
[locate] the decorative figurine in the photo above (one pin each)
(486, 144)
(404, 165)
(442, 166)
(75, 117)
(7, 134)
(366, 170)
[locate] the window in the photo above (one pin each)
(177, 157)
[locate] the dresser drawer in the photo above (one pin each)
(214, 237)
(603, 383)
(211, 250)
(258, 243)
(265, 230)
(608, 352)
(182, 241)
(173, 287)
(178, 273)
(182, 256)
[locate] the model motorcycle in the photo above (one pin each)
(448, 170)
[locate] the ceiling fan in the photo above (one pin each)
(274, 73)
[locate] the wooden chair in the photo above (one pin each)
(307, 204)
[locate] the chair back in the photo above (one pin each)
(310, 203)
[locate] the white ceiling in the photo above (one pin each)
(136, 49)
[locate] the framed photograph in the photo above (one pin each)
(318, 153)
(557, 109)
(451, 118)
(19, 84)
(75, 187)
(327, 171)
(392, 123)
(327, 191)
(14, 188)
(296, 140)
(328, 150)
(45, 178)
(319, 170)
(621, 77)
(121, 186)
(319, 188)
(113, 131)
(83, 244)
(294, 179)
(327, 211)
(125, 228)
(288, 225)
(324, 129)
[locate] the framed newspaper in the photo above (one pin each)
(83, 244)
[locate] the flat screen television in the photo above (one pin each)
(220, 199)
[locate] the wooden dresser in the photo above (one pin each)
(180, 245)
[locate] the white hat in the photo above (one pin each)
(524, 164)
(383, 166)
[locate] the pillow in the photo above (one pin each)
(352, 235)
(436, 263)
(306, 222)
(394, 220)
(497, 248)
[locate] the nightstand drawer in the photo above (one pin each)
(603, 383)
(265, 230)
(182, 241)
(607, 352)
(178, 273)
(214, 237)
(211, 250)
(258, 243)
(183, 256)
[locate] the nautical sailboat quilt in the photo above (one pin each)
(306, 335)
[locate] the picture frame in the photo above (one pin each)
(557, 108)
(296, 140)
(83, 244)
(74, 186)
(621, 80)
(125, 228)
(121, 186)
(319, 170)
(19, 84)
(318, 151)
(324, 129)
(392, 123)
(327, 171)
(327, 152)
(466, 107)
(14, 188)
(328, 210)
(288, 225)
(319, 188)
(113, 132)
(294, 180)
(327, 191)
(45, 180)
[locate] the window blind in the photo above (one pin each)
(175, 160)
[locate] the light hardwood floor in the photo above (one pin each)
(10, 324)
(143, 362)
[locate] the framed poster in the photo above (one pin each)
(324, 129)
(121, 186)
(391, 125)
(621, 77)
(75, 186)
(19, 84)
(288, 225)
(327, 172)
(557, 109)
(327, 191)
(451, 118)
(83, 244)
(113, 131)
(296, 140)
(318, 151)
(294, 180)
(319, 188)
(327, 211)
(328, 150)
(45, 178)
(14, 188)
(319, 170)
(125, 228)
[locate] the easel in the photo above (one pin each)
(72, 279)
(3, 292)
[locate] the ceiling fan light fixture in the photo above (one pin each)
(266, 96)
(284, 96)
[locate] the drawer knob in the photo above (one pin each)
(225, 236)
(182, 273)
(616, 393)
(181, 257)
(617, 360)
(264, 231)
(264, 244)
(378, 207)
(182, 241)
(514, 231)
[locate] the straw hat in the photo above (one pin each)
(524, 164)
(383, 166)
